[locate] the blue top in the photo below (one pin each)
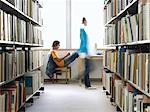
(83, 44)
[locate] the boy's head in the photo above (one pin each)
(84, 21)
(56, 44)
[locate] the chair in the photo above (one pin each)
(60, 71)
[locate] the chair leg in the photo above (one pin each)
(66, 77)
(70, 72)
(69, 77)
(52, 79)
(56, 77)
(66, 71)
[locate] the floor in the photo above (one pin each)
(71, 98)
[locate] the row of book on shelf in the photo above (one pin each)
(16, 63)
(29, 7)
(130, 28)
(33, 81)
(131, 66)
(14, 95)
(15, 29)
(124, 95)
(114, 7)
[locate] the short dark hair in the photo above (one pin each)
(55, 43)
(83, 20)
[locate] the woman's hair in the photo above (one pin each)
(83, 20)
(55, 43)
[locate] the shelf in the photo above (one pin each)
(130, 43)
(134, 43)
(105, 67)
(37, 45)
(134, 85)
(30, 96)
(109, 47)
(6, 82)
(106, 3)
(33, 45)
(122, 13)
(1, 83)
(139, 42)
(20, 75)
(11, 43)
(114, 45)
(6, 42)
(137, 87)
(120, 108)
(21, 106)
(19, 43)
(117, 74)
(108, 70)
(40, 3)
(37, 68)
(9, 8)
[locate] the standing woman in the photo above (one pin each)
(83, 51)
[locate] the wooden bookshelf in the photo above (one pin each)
(130, 60)
(139, 42)
(8, 7)
(106, 2)
(112, 46)
(7, 82)
(137, 87)
(128, 81)
(13, 43)
(122, 13)
(40, 2)
(120, 108)
(6, 42)
(30, 96)
(19, 34)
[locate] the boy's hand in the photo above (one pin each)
(68, 54)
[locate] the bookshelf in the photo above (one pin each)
(20, 35)
(10, 8)
(123, 12)
(106, 2)
(127, 26)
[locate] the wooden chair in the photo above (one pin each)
(60, 71)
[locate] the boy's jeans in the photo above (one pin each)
(86, 73)
(70, 58)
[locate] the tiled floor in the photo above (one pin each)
(71, 98)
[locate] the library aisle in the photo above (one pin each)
(71, 98)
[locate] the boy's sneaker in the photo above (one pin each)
(90, 88)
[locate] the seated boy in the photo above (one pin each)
(54, 61)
